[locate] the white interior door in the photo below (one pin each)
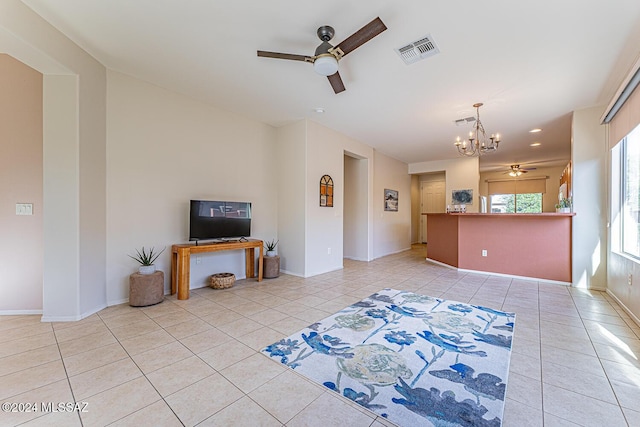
(432, 201)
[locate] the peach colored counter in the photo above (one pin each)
(529, 245)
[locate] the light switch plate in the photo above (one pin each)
(24, 208)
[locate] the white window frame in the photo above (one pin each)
(515, 202)
(627, 221)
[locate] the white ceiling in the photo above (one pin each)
(530, 63)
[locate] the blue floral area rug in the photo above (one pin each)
(413, 359)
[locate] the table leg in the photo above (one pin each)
(260, 265)
(174, 272)
(250, 265)
(184, 266)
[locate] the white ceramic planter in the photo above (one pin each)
(147, 269)
(271, 253)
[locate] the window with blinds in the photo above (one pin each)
(623, 118)
(517, 186)
(517, 195)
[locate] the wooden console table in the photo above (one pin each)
(181, 261)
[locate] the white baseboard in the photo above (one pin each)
(93, 311)
(74, 318)
(353, 258)
(596, 288)
(60, 318)
(441, 264)
(489, 273)
(624, 307)
(117, 302)
(19, 312)
(393, 253)
(291, 273)
(325, 272)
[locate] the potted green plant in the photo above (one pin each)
(564, 205)
(146, 259)
(270, 246)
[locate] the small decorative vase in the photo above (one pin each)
(147, 269)
(271, 253)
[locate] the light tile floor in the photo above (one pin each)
(197, 361)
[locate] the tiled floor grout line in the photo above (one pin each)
(542, 383)
(599, 359)
(66, 373)
(64, 367)
(194, 354)
(141, 371)
(540, 354)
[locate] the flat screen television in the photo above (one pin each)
(210, 220)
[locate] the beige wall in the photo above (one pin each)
(291, 151)
(392, 229)
(461, 174)
(61, 186)
(325, 156)
(415, 209)
(306, 152)
(589, 186)
(325, 150)
(165, 149)
(355, 208)
(74, 138)
(21, 244)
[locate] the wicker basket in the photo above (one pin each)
(222, 280)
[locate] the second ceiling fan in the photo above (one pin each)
(326, 57)
(516, 170)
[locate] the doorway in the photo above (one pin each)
(432, 200)
(355, 239)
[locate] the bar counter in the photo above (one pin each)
(528, 245)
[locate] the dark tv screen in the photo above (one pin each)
(209, 220)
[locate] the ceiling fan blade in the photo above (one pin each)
(290, 56)
(361, 36)
(336, 82)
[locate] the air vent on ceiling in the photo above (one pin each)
(421, 49)
(464, 121)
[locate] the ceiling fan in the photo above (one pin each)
(326, 57)
(516, 170)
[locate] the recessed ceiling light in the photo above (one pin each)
(319, 110)
(535, 144)
(536, 130)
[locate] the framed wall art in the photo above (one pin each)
(390, 200)
(326, 191)
(462, 197)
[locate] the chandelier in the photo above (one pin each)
(478, 143)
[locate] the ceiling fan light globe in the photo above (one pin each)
(326, 65)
